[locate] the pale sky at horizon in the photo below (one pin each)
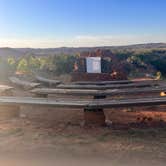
(81, 23)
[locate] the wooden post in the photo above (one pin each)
(9, 111)
(94, 116)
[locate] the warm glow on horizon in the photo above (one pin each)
(81, 41)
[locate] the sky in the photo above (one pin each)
(81, 23)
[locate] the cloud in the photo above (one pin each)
(82, 41)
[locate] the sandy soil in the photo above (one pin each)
(51, 136)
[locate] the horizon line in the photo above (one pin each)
(125, 45)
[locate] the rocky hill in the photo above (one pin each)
(17, 52)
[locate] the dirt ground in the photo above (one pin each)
(55, 136)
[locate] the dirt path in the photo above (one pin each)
(54, 134)
(51, 136)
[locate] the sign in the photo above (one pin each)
(93, 64)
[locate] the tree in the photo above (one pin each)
(23, 65)
(63, 64)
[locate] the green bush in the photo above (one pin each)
(130, 62)
(23, 65)
(63, 64)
